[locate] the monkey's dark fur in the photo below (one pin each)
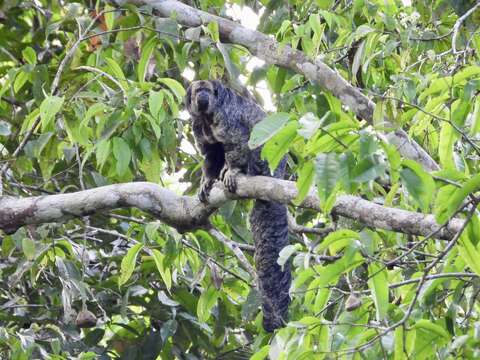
(222, 121)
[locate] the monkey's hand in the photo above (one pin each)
(205, 187)
(229, 178)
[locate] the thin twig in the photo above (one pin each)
(108, 76)
(457, 25)
(233, 246)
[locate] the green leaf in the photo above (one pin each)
(147, 51)
(279, 80)
(309, 321)
(346, 165)
(432, 328)
(164, 299)
(232, 69)
(399, 352)
(28, 247)
(475, 126)
(306, 177)
(358, 60)
(175, 86)
(362, 30)
(155, 124)
(378, 284)
(419, 183)
(20, 80)
(114, 69)
(452, 203)
(122, 153)
(286, 253)
(251, 304)
(109, 16)
(326, 169)
(261, 354)
(164, 271)
(443, 207)
(29, 55)
(368, 169)
(343, 235)
(330, 273)
(102, 152)
(437, 85)
(460, 110)
(93, 110)
(207, 301)
(309, 124)
(155, 103)
(152, 168)
(276, 148)
(49, 107)
(321, 300)
(469, 253)
(212, 28)
(128, 263)
(314, 19)
(465, 73)
(267, 128)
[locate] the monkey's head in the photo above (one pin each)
(203, 96)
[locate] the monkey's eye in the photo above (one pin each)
(215, 92)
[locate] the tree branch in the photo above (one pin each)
(186, 213)
(266, 48)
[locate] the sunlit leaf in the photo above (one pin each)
(115, 69)
(122, 154)
(418, 182)
(48, 109)
(28, 247)
(29, 55)
(378, 283)
(326, 169)
(306, 177)
(206, 302)
(164, 271)
(175, 86)
(267, 128)
(453, 198)
(276, 148)
(147, 50)
(128, 263)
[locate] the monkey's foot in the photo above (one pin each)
(229, 178)
(205, 188)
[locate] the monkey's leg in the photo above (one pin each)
(213, 164)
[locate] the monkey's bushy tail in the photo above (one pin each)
(270, 232)
(269, 223)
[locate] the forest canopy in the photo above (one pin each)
(106, 251)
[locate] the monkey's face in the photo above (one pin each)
(201, 97)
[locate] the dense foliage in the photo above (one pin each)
(96, 91)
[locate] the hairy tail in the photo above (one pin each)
(269, 223)
(270, 232)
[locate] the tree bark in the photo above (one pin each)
(187, 213)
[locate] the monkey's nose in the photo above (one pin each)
(202, 102)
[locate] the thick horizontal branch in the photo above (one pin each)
(266, 48)
(187, 212)
(181, 212)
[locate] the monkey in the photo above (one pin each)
(222, 121)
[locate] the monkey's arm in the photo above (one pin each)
(237, 157)
(214, 161)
